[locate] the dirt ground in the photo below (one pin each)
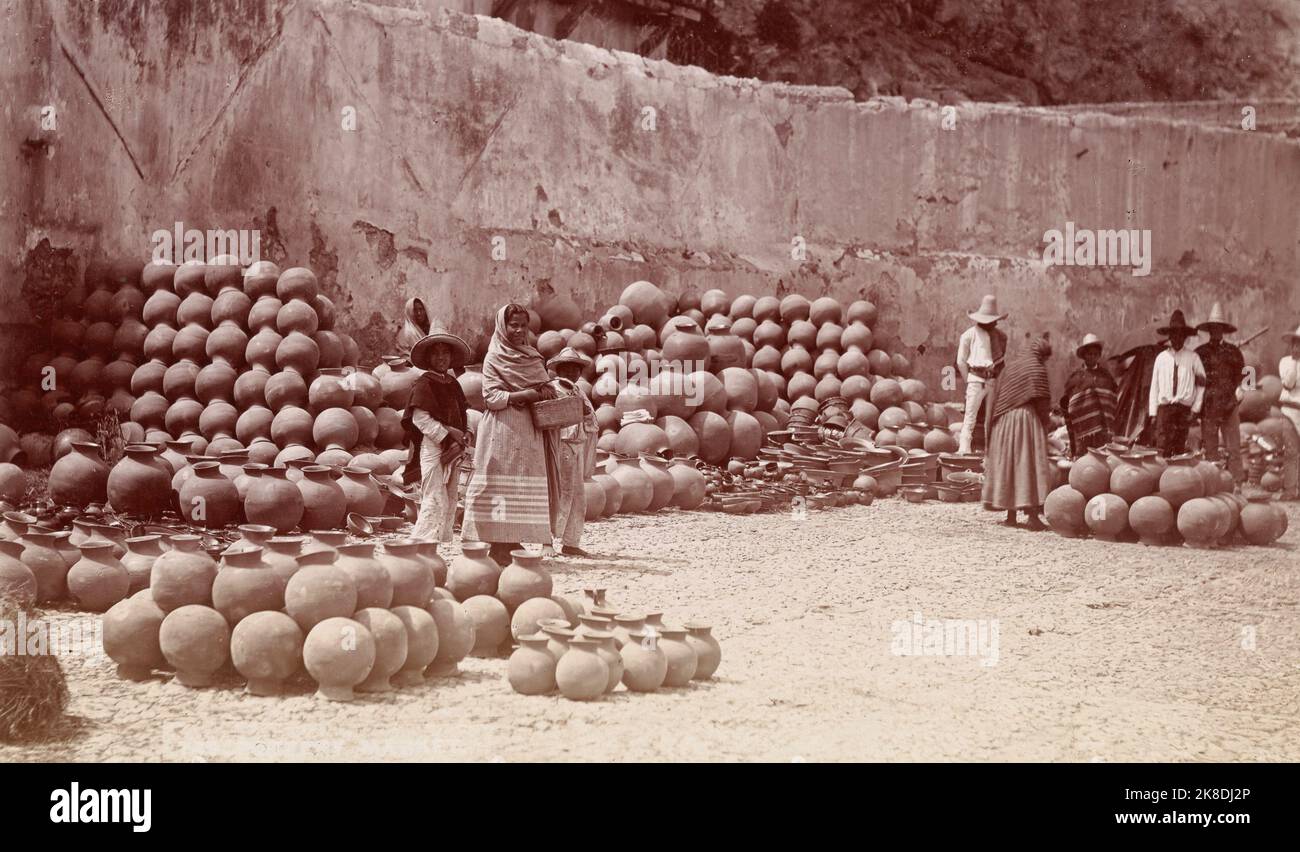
(1102, 652)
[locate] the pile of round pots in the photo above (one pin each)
(1139, 496)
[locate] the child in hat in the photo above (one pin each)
(577, 455)
(1225, 367)
(1177, 388)
(1088, 403)
(436, 427)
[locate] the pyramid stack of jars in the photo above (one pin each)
(1135, 495)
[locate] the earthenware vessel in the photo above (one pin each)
(708, 652)
(682, 660)
(274, 501)
(324, 503)
(389, 633)
(266, 647)
(644, 663)
(607, 650)
(525, 577)
(625, 625)
(80, 477)
(17, 582)
(559, 638)
(339, 654)
(429, 551)
(491, 624)
(245, 585)
(363, 495)
(281, 553)
(48, 566)
(182, 575)
(531, 669)
(141, 554)
(195, 640)
(319, 589)
(455, 636)
(208, 498)
(528, 616)
(131, 629)
(373, 584)
(98, 580)
(581, 674)
(421, 644)
(473, 572)
(411, 577)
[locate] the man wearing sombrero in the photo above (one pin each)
(1088, 402)
(1177, 388)
(1224, 368)
(980, 354)
(577, 454)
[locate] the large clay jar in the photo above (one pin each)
(689, 484)
(17, 582)
(1090, 474)
(725, 349)
(398, 381)
(266, 648)
(593, 499)
(531, 669)
(339, 654)
(644, 663)
(80, 477)
(557, 639)
(1198, 519)
(473, 572)
(389, 633)
(330, 389)
(274, 501)
(141, 554)
(1260, 524)
(637, 488)
(412, 579)
(363, 495)
(208, 498)
(429, 553)
(319, 590)
(245, 584)
(182, 575)
(581, 674)
(131, 627)
(299, 353)
(525, 577)
(374, 585)
(98, 580)
(140, 484)
(324, 503)
(335, 429)
(49, 566)
(1152, 518)
(455, 636)
(529, 615)
(1181, 481)
(682, 660)
(196, 642)
(491, 624)
(1132, 479)
(1064, 509)
(708, 652)
(421, 643)
(662, 483)
(280, 553)
(1106, 515)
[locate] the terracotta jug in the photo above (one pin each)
(363, 495)
(524, 578)
(531, 669)
(689, 484)
(182, 575)
(374, 585)
(455, 636)
(208, 498)
(131, 628)
(245, 584)
(324, 503)
(1090, 474)
(17, 582)
(1133, 479)
(613, 491)
(558, 638)
(708, 652)
(196, 642)
(644, 663)
(281, 553)
(266, 648)
(607, 650)
(473, 572)
(98, 580)
(411, 576)
(339, 654)
(319, 590)
(80, 477)
(141, 554)
(140, 484)
(682, 660)
(274, 501)
(15, 524)
(398, 381)
(421, 643)
(637, 487)
(581, 674)
(1181, 481)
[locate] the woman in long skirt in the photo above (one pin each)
(1017, 472)
(435, 424)
(514, 491)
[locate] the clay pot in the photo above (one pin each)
(411, 579)
(725, 349)
(1132, 479)
(245, 584)
(708, 652)
(195, 640)
(280, 553)
(455, 636)
(1063, 509)
(644, 663)
(335, 429)
(215, 382)
(593, 499)
(1090, 474)
(299, 353)
(429, 553)
(531, 669)
(266, 647)
(1181, 481)
(140, 484)
(339, 654)
(662, 483)
(80, 477)
(397, 382)
(390, 428)
(324, 503)
(491, 624)
(636, 486)
(1209, 473)
(17, 582)
(529, 615)
(142, 552)
(473, 572)
(1261, 523)
(208, 498)
(681, 657)
(296, 316)
(373, 584)
(297, 283)
(581, 674)
(196, 310)
(613, 492)
(362, 494)
(182, 575)
(319, 590)
(524, 578)
(1199, 519)
(1106, 515)
(131, 630)
(389, 633)
(421, 643)
(43, 556)
(607, 650)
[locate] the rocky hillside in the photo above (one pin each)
(1027, 51)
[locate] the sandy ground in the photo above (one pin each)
(1104, 652)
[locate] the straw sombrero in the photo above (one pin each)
(1217, 319)
(1293, 335)
(438, 333)
(569, 355)
(1089, 339)
(988, 311)
(1177, 324)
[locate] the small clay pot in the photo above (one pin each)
(98, 580)
(531, 669)
(581, 674)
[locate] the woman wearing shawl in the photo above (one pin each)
(1088, 402)
(435, 425)
(514, 490)
(1017, 473)
(414, 327)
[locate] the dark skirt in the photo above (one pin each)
(1017, 471)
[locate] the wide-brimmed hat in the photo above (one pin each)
(988, 311)
(569, 355)
(1217, 319)
(438, 333)
(1089, 339)
(1293, 335)
(1177, 324)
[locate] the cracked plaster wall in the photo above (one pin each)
(231, 115)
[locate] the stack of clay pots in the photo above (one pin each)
(1135, 495)
(356, 617)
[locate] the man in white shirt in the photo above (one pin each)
(1177, 388)
(1289, 401)
(980, 354)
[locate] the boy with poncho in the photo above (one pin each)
(435, 424)
(1088, 403)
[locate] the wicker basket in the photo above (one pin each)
(557, 413)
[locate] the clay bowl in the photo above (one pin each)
(914, 494)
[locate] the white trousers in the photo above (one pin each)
(572, 516)
(438, 488)
(974, 397)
